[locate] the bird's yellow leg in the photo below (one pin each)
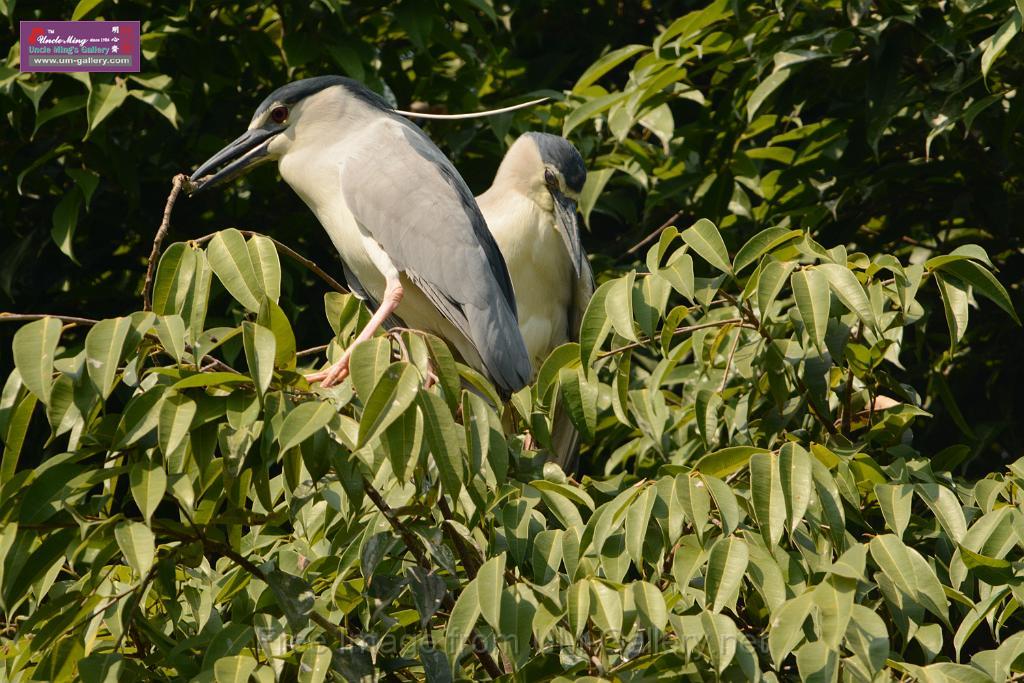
(336, 373)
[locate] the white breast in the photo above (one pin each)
(538, 265)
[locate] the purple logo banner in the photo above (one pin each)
(80, 46)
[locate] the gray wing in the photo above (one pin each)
(408, 196)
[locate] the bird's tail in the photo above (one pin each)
(565, 440)
(496, 336)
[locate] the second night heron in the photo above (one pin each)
(531, 211)
(405, 223)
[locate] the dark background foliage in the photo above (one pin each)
(898, 142)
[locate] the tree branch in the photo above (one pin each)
(654, 235)
(180, 181)
(26, 317)
(416, 548)
(738, 322)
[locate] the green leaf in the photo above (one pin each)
(954, 302)
(764, 89)
(703, 237)
(148, 485)
(103, 347)
(462, 620)
(14, 438)
(176, 414)
(650, 604)
(160, 101)
(767, 496)
(137, 544)
(266, 265)
(210, 379)
(724, 462)
(84, 7)
(305, 420)
(273, 318)
(34, 347)
(490, 582)
(811, 289)
(606, 63)
(578, 606)
(770, 282)
(694, 500)
(592, 188)
(588, 110)
(447, 443)
(234, 669)
(580, 398)
(834, 601)
(795, 472)
(679, 273)
(946, 507)
(910, 572)
(762, 243)
(594, 327)
(786, 628)
(104, 99)
(173, 279)
(618, 306)
(725, 500)
(983, 282)
(993, 46)
(721, 636)
(726, 566)
(260, 348)
(817, 662)
(65, 220)
(170, 330)
(102, 668)
(315, 664)
(895, 501)
(848, 289)
(605, 606)
(229, 257)
(368, 363)
(392, 396)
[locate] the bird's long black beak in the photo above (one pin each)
(247, 151)
(568, 226)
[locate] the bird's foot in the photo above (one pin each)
(332, 375)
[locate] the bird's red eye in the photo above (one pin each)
(279, 114)
(549, 178)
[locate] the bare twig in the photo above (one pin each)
(26, 317)
(290, 253)
(653, 236)
(180, 181)
(416, 548)
(311, 351)
(728, 363)
(411, 542)
(470, 560)
(738, 322)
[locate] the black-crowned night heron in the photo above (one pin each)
(531, 211)
(406, 225)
